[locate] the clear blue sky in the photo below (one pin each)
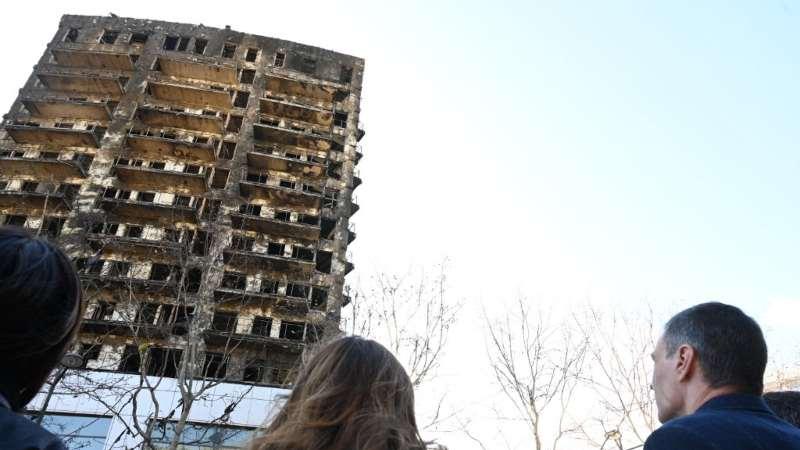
(613, 151)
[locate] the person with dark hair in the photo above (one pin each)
(708, 378)
(40, 300)
(352, 394)
(786, 405)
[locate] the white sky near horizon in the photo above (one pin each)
(623, 153)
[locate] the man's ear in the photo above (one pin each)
(685, 362)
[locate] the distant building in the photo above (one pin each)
(202, 179)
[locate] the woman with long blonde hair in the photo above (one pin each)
(352, 394)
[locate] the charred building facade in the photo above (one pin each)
(203, 181)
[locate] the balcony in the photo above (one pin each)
(293, 111)
(43, 168)
(160, 118)
(193, 97)
(142, 249)
(260, 159)
(125, 328)
(149, 213)
(35, 202)
(259, 262)
(160, 148)
(277, 135)
(282, 303)
(81, 83)
(67, 109)
(54, 136)
(210, 72)
(147, 179)
(93, 59)
(274, 227)
(274, 195)
(302, 91)
(241, 341)
(114, 283)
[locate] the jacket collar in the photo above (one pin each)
(736, 401)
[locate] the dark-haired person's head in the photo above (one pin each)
(40, 300)
(707, 350)
(352, 394)
(785, 404)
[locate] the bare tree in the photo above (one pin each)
(539, 365)
(620, 348)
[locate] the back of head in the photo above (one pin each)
(352, 394)
(785, 405)
(731, 349)
(40, 299)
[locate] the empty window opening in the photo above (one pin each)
(160, 272)
(241, 99)
(138, 38)
(182, 200)
(254, 372)
(134, 231)
(256, 177)
(182, 319)
(171, 42)
(303, 253)
(297, 290)
(269, 286)
(16, 220)
(252, 54)
(234, 280)
(327, 226)
(211, 209)
(234, 123)
(324, 261)
(90, 352)
(340, 119)
(146, 197)
(220, 179)
(158, 165)
(346, 74)
(285, 216)
(228, 50)
(109, 37)
(131, 361)
(287, 184)
(147, 313)
(200, 46)
(163, 362)
(223, 322)
(191, 168)
(308, 219)
(192, 280)
(280, 59)
(319, 298)
(119, 269)
(29, 186)
(72, 35)
(51, 226)
(202, 241)
(227, 149)
(215, 365)
(240, 242)
(262, 326)
(292, 330)
(103, 311)
(250, 210)
(275, 249)
(183, 43)
(247, 76)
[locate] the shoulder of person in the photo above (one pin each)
(677, 434)
(20, 433)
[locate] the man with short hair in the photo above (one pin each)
(708, 380)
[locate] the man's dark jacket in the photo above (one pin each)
(20, 433)
(728, 422)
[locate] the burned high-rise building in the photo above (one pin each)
(202, 180)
